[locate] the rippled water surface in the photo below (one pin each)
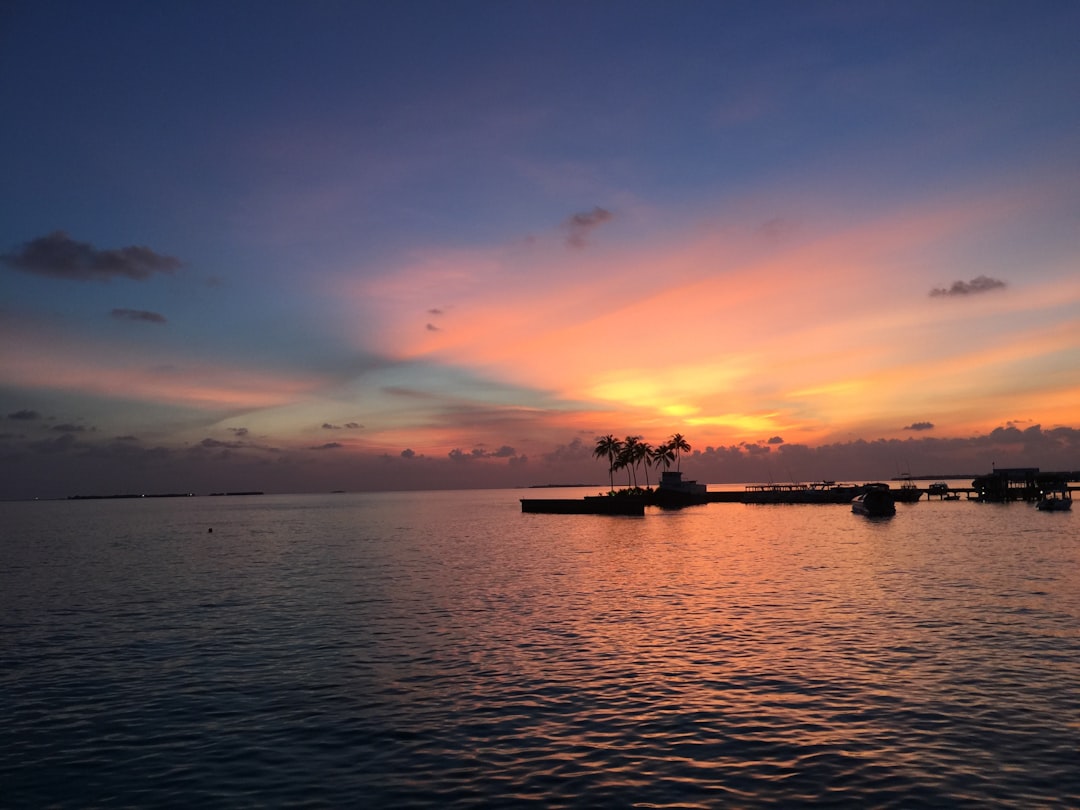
(443, 649)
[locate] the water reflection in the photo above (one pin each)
(442, 649)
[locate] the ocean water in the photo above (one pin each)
(445, 650)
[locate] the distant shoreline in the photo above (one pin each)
(562, 486)
(120, 496)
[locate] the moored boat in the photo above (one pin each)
(1055, 501)
(876, 502)
(909, 491)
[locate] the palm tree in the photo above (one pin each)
(609, 447)
(630, 455)
(643, 454)
(663, 454)
(679, 444)
(623, 463)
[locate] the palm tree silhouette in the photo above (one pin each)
(678, 444)
(663, 454)
(643, 454)
(630, 456)
(609, 447)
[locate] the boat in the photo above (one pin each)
(875, 502)
(937, 488)
(1055, 501)
(909, 491)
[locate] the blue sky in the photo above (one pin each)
(473, 226)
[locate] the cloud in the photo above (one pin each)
(25, 415)
(328, 426)
(354, 426)
(138, 315)
(435, 311)
(775, 440)
(61, 444)
(979, 284)
(579, 226)
(920, 426)
(506, 451)
(408, 453)
(432, 328)
(214, 443)
(68, 428)
(239, 431)
(572, 453)
(327, 446)
(59, 256)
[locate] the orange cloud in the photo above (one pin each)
(733, 330)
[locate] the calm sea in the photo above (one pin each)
(445, 650)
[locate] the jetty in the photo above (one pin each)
(589, 505)
(1000, 486)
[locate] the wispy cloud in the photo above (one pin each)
(59, 256)
(25, 415)
(920, 426)
(580, 226)
(979, 284)
(138, 315)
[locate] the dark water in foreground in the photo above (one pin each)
(442, 649)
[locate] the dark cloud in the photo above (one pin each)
(354, 426)
(574, 452)
(408, 453)
(138, 315)
(775, 440)
(61, 444)
(920, 426)
(327, 446)
(435, 311)
(217, 443)
(239, 431)
(506, 451)
(25, 415)
(68, 428)
(59, 256)
(328, 426)
(579, 226)
(979, 284)
(432, 328)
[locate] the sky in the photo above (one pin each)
(314, 246)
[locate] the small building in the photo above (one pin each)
(671, 481)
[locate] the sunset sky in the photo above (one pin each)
(301, 246)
